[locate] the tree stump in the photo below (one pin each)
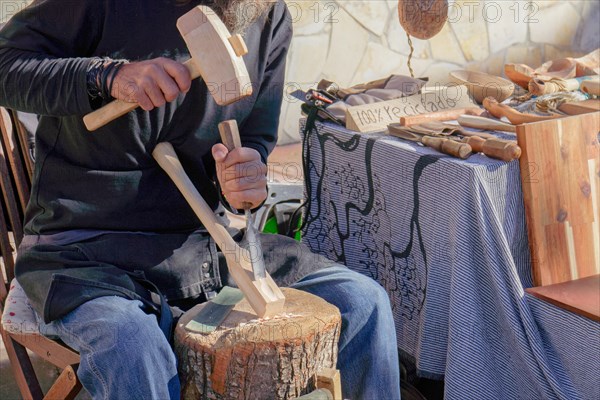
(251, 358)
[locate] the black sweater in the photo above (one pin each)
(108, 179)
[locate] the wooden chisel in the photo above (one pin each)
(230, 136)
(446, 146)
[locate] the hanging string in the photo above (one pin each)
(412, 50)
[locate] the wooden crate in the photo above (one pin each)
(560, 173)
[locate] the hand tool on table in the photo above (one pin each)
(264, 295)
(473, 121)
(230, 137)
(591, 86)
(311, 100)
(580, 107)
(480, 142)
(445, 115)
(539, 86)
(216, 57)
(515, 117)
(443, 145)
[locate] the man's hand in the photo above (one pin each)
(242, 175)
(151, 83)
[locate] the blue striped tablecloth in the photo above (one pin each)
(447, 239)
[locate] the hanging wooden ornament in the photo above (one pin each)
(423, 19)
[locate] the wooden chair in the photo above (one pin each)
(21, 332)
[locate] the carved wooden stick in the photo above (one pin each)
(446, 115)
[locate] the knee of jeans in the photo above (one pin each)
(375, 295)
(114, 324)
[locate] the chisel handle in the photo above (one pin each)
(495, 148)
(230, 136)
(447, 146)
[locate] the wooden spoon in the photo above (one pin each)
(515, 117)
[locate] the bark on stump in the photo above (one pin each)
(251, 358)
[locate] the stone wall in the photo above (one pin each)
(350, 42)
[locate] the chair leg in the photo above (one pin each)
(22, 369)
(66, 386)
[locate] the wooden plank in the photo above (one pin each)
(10, 199)
(587, 262)
(548, 156)
(6, 251)
(50, 350)
(580, 107)
(22, 369)
(594, 168)
(377, 116)
(329, 378)
(557, 266)
(65, 387)
(24, 146)
(12, 153)
(574, 152)
(581, 296)
(561, 181)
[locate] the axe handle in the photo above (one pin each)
(166, 157)
(495, 148)
(447, 146)
(118, 108)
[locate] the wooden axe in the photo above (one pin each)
(216, 57)
(264, 295)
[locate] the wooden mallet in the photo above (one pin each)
(216, 57)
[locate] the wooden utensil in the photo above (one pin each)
(539, 86)
(515, 117)
(580, 107)
(216, 57)
(473, 121)
(490, 145)
(591, 86)
(482, 85)
(446, 146)
(495, 148)
(264, 295)
(445, 115)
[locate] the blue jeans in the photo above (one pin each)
(124, 354)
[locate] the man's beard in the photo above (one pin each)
(237, 15)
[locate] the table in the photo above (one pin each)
(447, 240)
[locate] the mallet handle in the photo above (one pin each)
(117, 108)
